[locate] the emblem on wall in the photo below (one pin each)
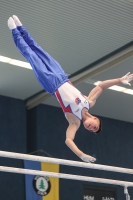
(41, 185)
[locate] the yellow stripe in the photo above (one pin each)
(54, 192)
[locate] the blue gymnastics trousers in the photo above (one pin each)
(47, 70)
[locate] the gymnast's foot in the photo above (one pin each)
(16, 20)
(11, 23)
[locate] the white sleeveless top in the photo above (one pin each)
(71, 100)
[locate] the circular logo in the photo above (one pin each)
(41, 185)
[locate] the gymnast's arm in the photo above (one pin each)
(70, 135)
(96, 92)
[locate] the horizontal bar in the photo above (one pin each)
(65, 176)
(65, 162)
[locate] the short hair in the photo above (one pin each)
(100, 126)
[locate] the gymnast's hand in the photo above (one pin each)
(126, 79)
(87, 158)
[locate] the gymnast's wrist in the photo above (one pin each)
(82, 156)
(119, 80)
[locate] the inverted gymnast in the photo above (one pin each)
(54, 80)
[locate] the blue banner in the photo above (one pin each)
(29, 189)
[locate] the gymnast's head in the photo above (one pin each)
(92, 123)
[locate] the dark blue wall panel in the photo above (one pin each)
(12, 138)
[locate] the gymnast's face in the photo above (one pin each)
(92, 124)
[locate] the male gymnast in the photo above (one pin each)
(54, 80)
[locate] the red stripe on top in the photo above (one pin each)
(65, 109)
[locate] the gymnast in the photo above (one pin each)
(54, 80)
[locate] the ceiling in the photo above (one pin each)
(76, 34)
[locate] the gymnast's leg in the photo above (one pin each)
(51, 64)
(44, 76)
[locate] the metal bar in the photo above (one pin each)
(126, 193)
(65, 176)
(65, 162)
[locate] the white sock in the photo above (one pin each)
(11, 23)
(17, 21)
